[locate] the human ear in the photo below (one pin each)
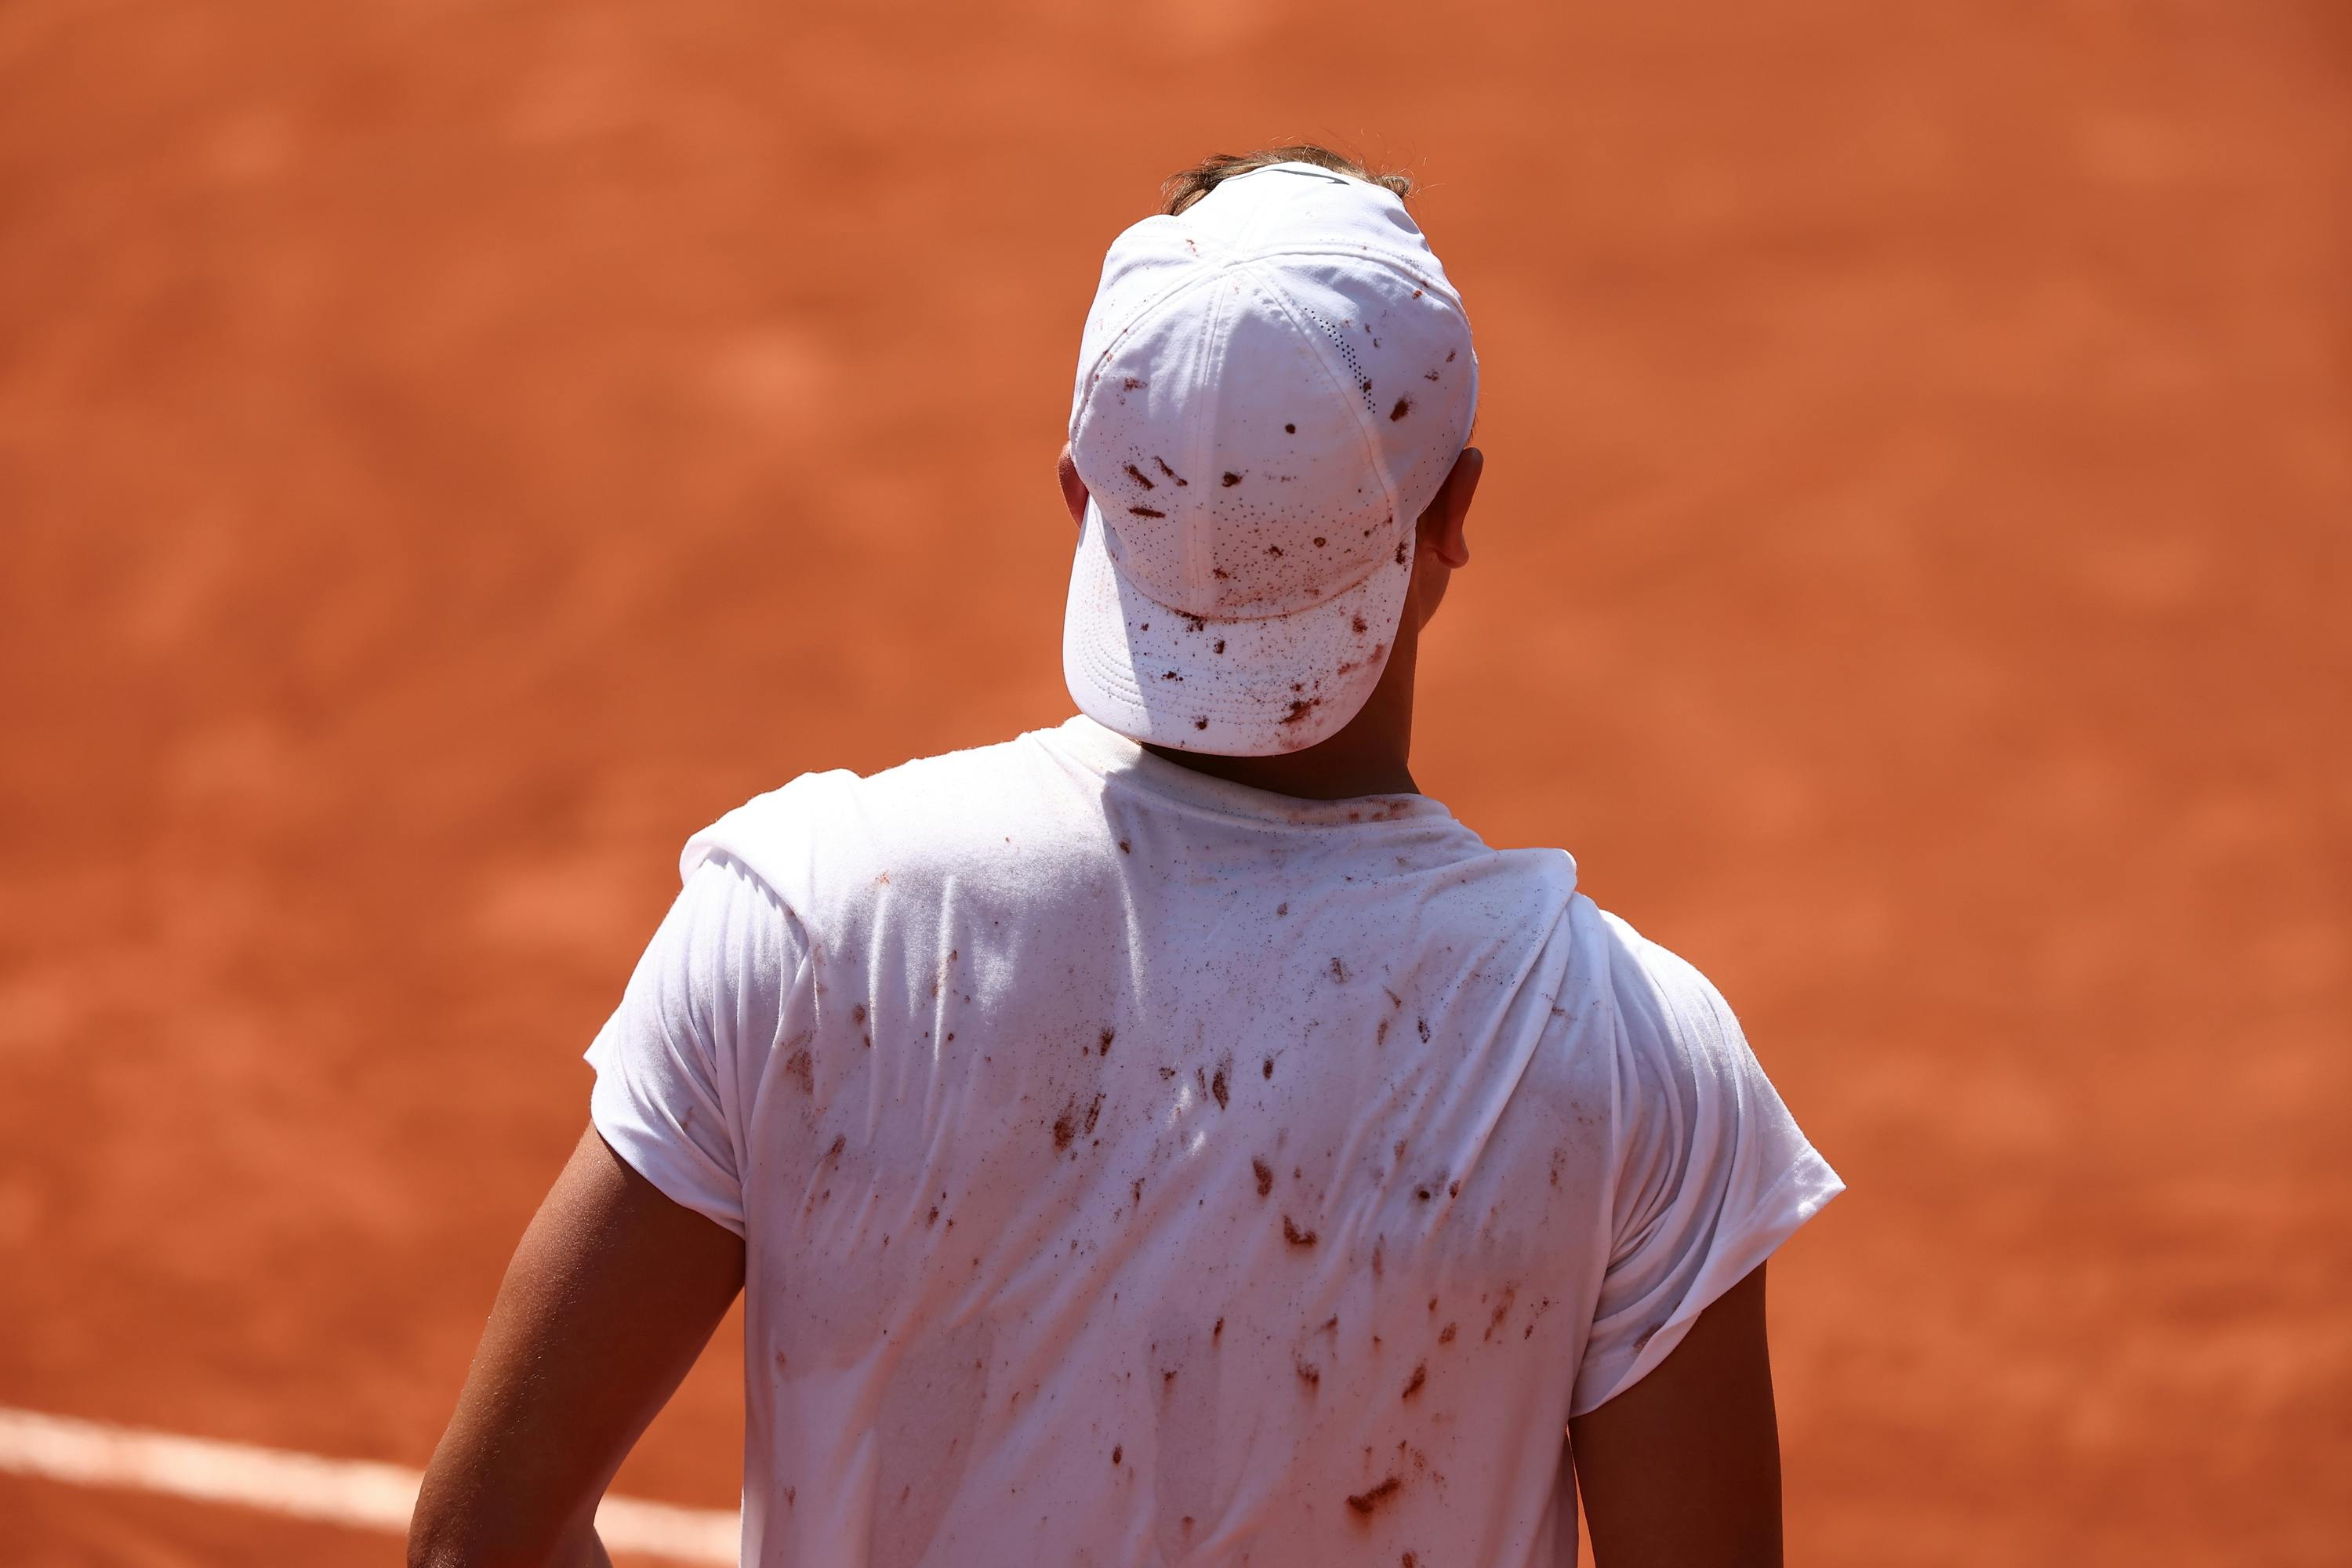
(1442, 521)
(1073, 488)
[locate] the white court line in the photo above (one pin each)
(304, 1486)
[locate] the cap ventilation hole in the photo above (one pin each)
(1348, 356)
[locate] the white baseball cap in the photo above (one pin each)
(1272, 386)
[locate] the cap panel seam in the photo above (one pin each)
(1200, 547)
(1353, 393)
(1091, 373)
(1429, 278)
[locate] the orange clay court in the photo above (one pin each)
(449, 454)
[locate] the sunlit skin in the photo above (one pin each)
(612, 1294)
(614, 1288)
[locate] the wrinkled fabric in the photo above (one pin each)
(1135, 1168)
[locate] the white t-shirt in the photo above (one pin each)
(1136, 1168)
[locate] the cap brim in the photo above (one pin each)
(1229, 688)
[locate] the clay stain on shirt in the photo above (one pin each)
(1502, 1310)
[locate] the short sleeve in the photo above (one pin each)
(680, 1061)
(1712, 1173)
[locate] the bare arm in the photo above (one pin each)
(612, 1294)
(1683, 1467)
